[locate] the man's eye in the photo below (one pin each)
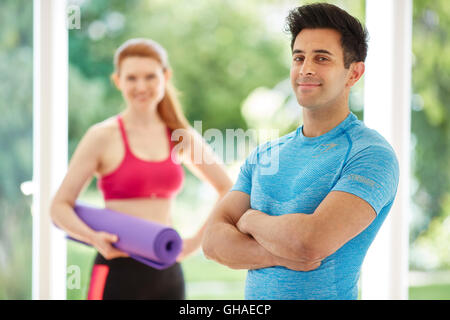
(131, 78)
(322, 59)
(298, 59)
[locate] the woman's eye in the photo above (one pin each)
(131, 78)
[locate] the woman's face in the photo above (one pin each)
(142, 81)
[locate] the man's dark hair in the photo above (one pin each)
(354, 36)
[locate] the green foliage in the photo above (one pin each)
(16, 89)
(83, 257)
(219, 52)
(431, 111)
(430, 250)
(430, 292)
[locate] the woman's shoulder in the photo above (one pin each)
(104, 130)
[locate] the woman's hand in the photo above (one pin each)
(190, 245)
(103, 241)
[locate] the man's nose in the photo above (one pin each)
(307, 68)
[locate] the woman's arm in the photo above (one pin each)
(81, 169)
(201, 160)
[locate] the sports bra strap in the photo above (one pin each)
(125, 139)
(122, 131)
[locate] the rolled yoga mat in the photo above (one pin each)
(151, 243)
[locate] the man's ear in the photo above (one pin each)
(115, 80)
(356, 71)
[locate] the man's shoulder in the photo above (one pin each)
(370, 148)
(363, 138)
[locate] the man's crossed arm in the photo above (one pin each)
(242, 238)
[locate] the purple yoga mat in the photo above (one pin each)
(151, 243)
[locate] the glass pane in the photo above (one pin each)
(216, 58)
(430, 187)
(16, 156)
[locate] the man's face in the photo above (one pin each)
(318, 75)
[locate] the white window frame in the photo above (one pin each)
(50, 110)
(387, 108)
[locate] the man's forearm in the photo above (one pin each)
(285, 236)
(225, 244)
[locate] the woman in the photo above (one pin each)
(131, 155)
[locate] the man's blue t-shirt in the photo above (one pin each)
(293, 174)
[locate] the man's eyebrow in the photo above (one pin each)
(315, 51)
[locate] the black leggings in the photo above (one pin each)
(126, 278)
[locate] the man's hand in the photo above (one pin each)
(242, 223)
(297, 265)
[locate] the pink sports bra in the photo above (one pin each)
(137, 178)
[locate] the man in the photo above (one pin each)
(303, 231)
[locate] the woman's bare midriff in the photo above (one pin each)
(152, 209)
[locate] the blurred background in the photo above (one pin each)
(231, 64)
